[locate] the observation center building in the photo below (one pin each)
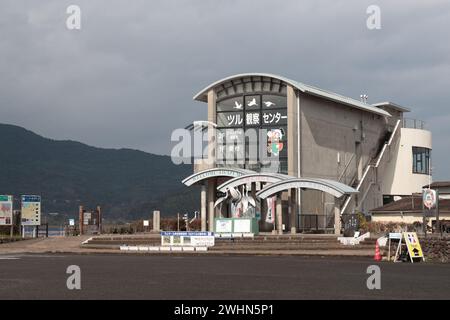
(320, 157)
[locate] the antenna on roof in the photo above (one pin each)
(364, 98)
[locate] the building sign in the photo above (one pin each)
(413, 245)
(215, 173)
(71, 222)
(252, 131)
(146, 223)
(31, 210)
(6, 210)
(274, 118)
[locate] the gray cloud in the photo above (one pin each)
(127, 78)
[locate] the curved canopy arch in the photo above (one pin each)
(252, 177)
(332, 187)
(214, 172)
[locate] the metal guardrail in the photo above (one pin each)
(413, 124)
(371, 168)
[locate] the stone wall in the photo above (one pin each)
(437, 250)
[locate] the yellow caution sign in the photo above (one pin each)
(413, 245)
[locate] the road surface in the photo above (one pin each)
(216, 277)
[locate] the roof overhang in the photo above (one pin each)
(392, 105)
(213, 173)
(332, 187)
(203, 94)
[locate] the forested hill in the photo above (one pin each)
(128, 184)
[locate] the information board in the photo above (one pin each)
(6, 210)
(31, 210)
(187, 238)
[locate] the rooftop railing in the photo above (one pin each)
(413, 124)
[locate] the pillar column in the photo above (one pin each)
(203, 207)
(211, 200)
(293, 210)
(337, 218)
(80, 219)
(279, 214)
(99, 210)
(156, 221)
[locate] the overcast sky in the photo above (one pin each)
(127, 78)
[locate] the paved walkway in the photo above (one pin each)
(44, 245)
(73, 245)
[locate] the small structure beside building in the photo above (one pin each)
(410, 209)
(442, 187)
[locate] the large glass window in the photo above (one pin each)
(421, 160)
(253, 122)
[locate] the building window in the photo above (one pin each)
(421, 160)
(244, 122)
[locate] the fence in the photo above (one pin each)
(316, 222)
(413, 124)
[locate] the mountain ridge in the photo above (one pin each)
(127, 183)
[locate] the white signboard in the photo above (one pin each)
(6, 210)
(224, 226)
(395, 235)
(242, 225)
(205, 241)
(146, 223)
(71, 222)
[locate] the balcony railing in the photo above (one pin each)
(413, 124)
